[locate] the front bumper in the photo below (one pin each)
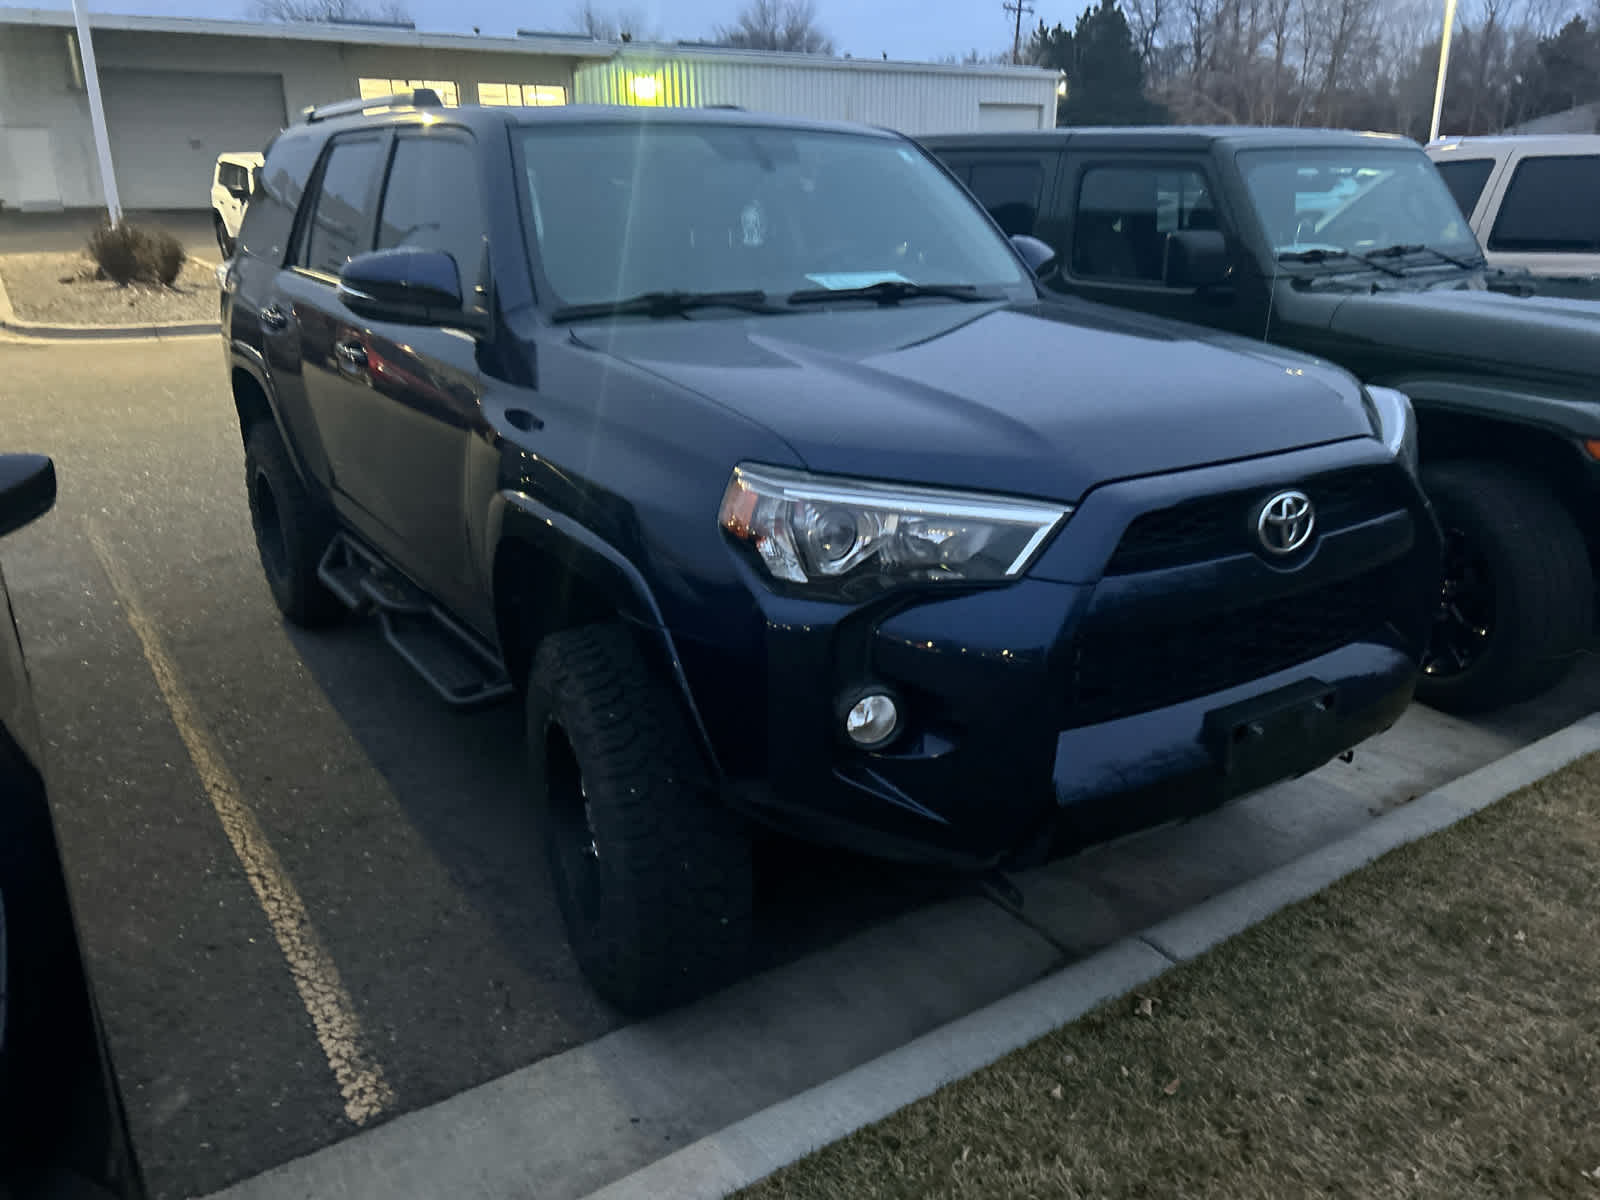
(1087, 700)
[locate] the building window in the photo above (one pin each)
(531, 95)
(371, 89)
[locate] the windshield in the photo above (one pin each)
(1353, 200)
(618, 211)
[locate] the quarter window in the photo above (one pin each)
(372, 89)
(1465, 178)
(431, 202)
(1550, 207)
(343, 205)
(529, 95)
(1010, 191)
(1125, 213)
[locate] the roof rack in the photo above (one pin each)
(415, 98)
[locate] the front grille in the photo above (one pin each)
(1122, 672)
(1221, 525)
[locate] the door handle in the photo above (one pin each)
(351, 354)
(274, 317)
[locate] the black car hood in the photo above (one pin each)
(1045, 400)
(1479, 329)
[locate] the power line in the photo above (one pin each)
(1019, 7)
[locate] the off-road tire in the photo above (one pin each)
(1541, 578)
(652, 874)
(292, 531)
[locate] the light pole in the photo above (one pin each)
(97, 113)
(1444, 66)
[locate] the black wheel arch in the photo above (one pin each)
(551, 573)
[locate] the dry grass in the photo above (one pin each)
(1428, 1027)
(60, 289)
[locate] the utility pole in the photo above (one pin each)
(1444, 65)
(97, 113)
(1019, 7)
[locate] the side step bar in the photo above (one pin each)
(455, 662)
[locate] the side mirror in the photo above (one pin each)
(240, 194)
(27, 489)
(1195, 258)
(406, 286)
(1038, 255)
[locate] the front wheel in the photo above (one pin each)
(652, 874)
(1517, 599)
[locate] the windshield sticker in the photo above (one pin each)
(842, 281)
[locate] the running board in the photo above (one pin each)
(456, 663)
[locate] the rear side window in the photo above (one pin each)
(280, 185)
(343, 206)
(1010, 191)
(1551, 206)
(431, 202)
(1465, 178)
(1125, 213)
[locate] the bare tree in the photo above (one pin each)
(621, 25)
(777, 25)
(324, 12)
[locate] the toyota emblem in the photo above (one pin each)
(1286, 522)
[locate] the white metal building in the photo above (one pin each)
(914, 98)
(179, 91)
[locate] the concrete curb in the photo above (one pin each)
(751, 1149)
(11, 323)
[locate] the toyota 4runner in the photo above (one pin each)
(746, 453)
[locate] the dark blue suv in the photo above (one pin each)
(748, 455)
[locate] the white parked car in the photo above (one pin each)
(1533, 200)
(231, 183)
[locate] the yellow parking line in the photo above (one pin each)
(366, 1093)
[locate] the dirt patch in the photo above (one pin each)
(1427, 1027)
(60, 289)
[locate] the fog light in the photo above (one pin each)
(872, 720)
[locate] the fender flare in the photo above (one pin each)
(245, 357)
(605, 569)
(1509, 403)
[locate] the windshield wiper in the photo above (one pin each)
(1401, 249)
(665, 304)
(1319, 254)
(893, 291)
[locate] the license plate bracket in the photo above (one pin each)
(1273, 736)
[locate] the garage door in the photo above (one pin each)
(167, 128)
(997, 117)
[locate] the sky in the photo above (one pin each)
(904, 29)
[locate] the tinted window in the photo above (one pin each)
(1125, 213)
(616, 210)
(1465, 178)
(431, 201)
(1551, 206)
(343, 205)
(281, 183)
(1010, 191)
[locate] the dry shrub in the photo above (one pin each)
(127, 253)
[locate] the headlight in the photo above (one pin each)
(1395, 423)
(849, 538)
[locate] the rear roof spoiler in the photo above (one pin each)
(415, 98)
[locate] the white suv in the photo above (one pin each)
(230, 192)
(1533, 200)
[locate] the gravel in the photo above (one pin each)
(60, 289)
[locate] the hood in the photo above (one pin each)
(1481, 329)
(1043, 400)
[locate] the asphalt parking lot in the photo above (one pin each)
(400, 830)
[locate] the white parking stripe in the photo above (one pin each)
(366, 1093)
